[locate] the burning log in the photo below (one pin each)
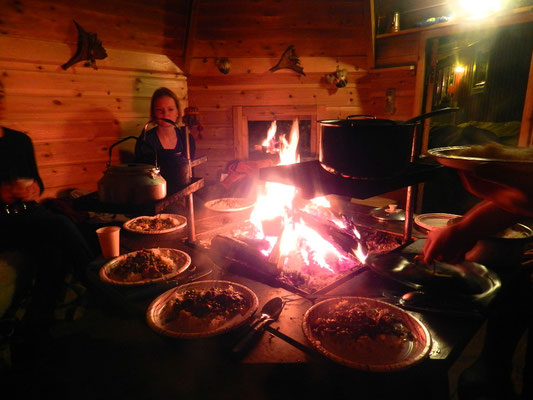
(274, 227)
(343, 237)
(235, 249)
(259, 244)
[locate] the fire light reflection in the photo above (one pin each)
(277, 222)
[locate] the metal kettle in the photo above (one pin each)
(131, 183)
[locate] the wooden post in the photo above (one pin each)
(191, 237)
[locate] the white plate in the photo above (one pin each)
(178, 221)
(366, 354)
(180, 259)
(229, 204)
(432, 221)
(188, 327)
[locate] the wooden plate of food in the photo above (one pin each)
(145, 266)
(229, 204)
(156, 225)
(366, 334)
(469, 157)
(202, 309)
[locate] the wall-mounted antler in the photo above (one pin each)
(89, 48)
(289, 60)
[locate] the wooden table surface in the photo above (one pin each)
(450, 334)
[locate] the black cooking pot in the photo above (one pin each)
(363, 146)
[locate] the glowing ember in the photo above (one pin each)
(276, 221)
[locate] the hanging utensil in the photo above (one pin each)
(269, 313)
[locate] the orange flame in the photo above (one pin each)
(275, 200)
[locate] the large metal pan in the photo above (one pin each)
(363, 146)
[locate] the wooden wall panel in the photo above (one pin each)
(237, 28)
(122, 24)
(74, 116)
(250, 85)
(147, 41)
(398, 50)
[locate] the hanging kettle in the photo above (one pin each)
(131, 183)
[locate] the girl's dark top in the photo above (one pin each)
(171, 162)
(17, 158)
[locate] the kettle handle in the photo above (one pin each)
(137, 139)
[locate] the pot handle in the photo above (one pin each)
(432, 114)
(137, 139)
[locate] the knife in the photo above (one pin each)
(269, 313)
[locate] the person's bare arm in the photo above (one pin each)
(509, 186)
(453, 242)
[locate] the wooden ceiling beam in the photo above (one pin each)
(192, 20)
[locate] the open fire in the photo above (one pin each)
(304, 243)
(284, 229)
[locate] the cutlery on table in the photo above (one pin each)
(269, 313)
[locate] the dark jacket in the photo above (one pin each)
(17, 158)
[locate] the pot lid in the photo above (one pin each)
(389, 213)
(366, 120)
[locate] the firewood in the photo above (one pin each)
(231, 248)
(347, 240)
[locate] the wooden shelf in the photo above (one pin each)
(520, 13)
(198, 161)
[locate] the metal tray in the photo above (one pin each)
(468, 280)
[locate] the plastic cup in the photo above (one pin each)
(109, 238)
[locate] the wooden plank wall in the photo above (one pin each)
(74, 116)
(326, 35)
(250, 84)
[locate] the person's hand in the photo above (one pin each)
(19, 190)
(449, 244)
(26, 191)
(510, 186)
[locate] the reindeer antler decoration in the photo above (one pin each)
(89, 48)
(289, 60)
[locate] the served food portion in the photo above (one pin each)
(229, 204)
(145, 266)
(468, 157)
(161, 223)
(202, 309)
(496, 151)
(366, 334)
